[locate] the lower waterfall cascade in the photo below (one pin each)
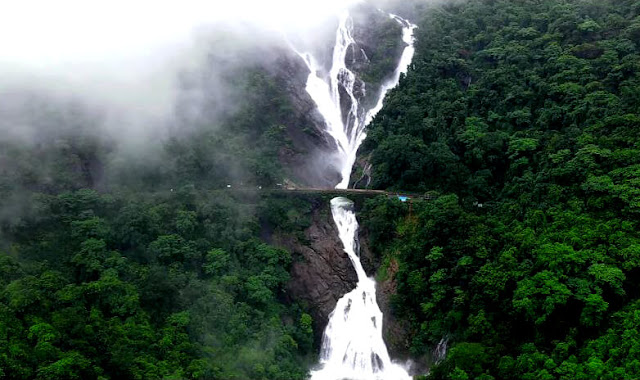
(352, 344)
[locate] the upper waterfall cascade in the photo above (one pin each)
(348, 130)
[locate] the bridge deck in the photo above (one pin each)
(339, 192)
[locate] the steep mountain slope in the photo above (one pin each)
(522, 118)
(164, 256)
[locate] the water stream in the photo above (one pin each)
(352, 344)
(348, 130)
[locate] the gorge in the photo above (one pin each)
(352, 343)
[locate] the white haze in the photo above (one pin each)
(125, 55)
(41, 33)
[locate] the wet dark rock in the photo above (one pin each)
(322, 272)
(377, 50)
(361, 173)
(370, 263)
(309, 159)
(308, 155)
(395, 329)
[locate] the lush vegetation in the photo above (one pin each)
(380, 36)
(131, 258)
(171, 285)
(71, 148)
(245, 148)
(126, 263)
(523, 116)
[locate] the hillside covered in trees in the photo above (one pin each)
(114, 266)
(120, 262)
(520, 117)
(172, 285)
(155, 256)
(523, 116)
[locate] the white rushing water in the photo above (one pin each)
(403, 66)
(352, 345)
(349, 130)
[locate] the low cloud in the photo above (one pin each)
(128, 60)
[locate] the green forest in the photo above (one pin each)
(171, 286)
(113, 266)
(522, 117)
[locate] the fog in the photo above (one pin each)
(43, 34)
(155, 93)
(136, 94)
(125, 57)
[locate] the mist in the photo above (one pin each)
(126, 58)
(97, 95)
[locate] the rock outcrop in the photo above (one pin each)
(377, 50)
(308, 157)
(322, 272)
(395, 329)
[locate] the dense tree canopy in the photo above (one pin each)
(171, 286)
(523, 116)
(116, 264)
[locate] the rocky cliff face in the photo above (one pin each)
(309, 157)
(310, 144)
(311, 147)
(395, 329)
(377, 51)
(321, 273)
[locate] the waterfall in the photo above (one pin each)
(403, 66)
(440, 352)
(352, 345)
(349, 130)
